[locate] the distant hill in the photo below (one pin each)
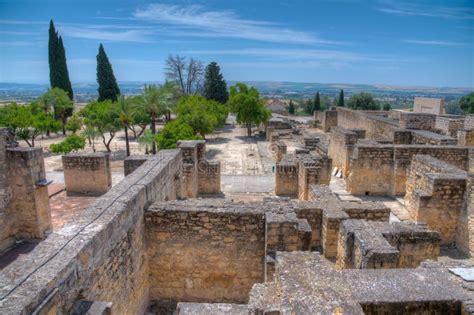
(84, 92)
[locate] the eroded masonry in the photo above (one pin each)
(371, 213)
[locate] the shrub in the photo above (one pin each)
(72, 143)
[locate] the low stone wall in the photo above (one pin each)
(200, 252)
(449, 125)
(98, 257)
(133, 162)
(431, 138)
(435, 195)
(465, 225)
(377, 169)
(380, 245)
(87, 173)
(375, 123)
(466, 137)
(341, 145)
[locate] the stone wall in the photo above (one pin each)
(428, 137)
(326, 119)
(465, 225)
(29, 210)
(6, 239)
(87, 173)
(100, 256)
(286, 176)
(377, 169)
(133, 162)
(209, 177)
(341, 145)
(428, 105)
(363, 244)
(466, 137)
(449, 125)
(417, 121)
(200, 252)
(376, 124)
(435, 195)
(469, 122)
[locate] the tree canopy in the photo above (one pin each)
(59, 101)
(58, 72)
(467, 103)
(215, 87)
(340, 101)
(72, 143)
(317, 103)
(246, 103)
(363, 101)
(173, 132)
(108, 87)
(291, 108)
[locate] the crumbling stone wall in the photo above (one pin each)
(363, 244)
(101, 256)
(376, 125)
(417, 121)
(6, 239)
(434, 106)
(449, 125)
(133, 162)
(466, 137)
(29, 210)
(204, 252)
(87, 173)
(326, 119)
(341, 145)
(465, 225)
(436, 195)
(286, 176)
(431, 138)
(381, 169)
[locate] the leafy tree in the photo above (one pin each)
(467, 103)
(202, 115)
(363, 101)
(147, 140)
(387, 107)
(72, 143)
(125, 117)
(28, 122)
(173, 132)
(91, 134)
(317, 104)
(156, 101)
(74, 124)
(60, 102)
(246, 103)
(215, 87)
(108, 88)
(141, 119)
(104, 118)
(291, 108)
(58, 72)
(340, 101)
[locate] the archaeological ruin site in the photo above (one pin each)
(350, 212)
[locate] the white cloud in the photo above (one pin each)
(420, 9)
(432, 42)
(138, 35)
(193, 20)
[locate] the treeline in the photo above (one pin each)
(196, 95)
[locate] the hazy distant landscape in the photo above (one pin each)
(398, 96)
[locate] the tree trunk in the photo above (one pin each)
(153, 131)
(64, 120)
(249, 130)
(127, 144)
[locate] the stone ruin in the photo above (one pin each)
(165, 240)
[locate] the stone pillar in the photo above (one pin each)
(286, 177)
(189, 151)
(30, 201)
(87, 173)
(209, 177)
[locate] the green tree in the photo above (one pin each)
(215, 87)
(201, 114)
(363, 101)
(155, 101)
(58, 72)
(74, 124)
(308, 106)
(291, 108)
(60, 102)
(125, 117)
(91, 134)
(246, 103)
(28, 121)
(147, 140)
(317, 104)
(340, 101)
(387, 107)
(72, 143)
(108, 88)
(141, 119)
(104, 118)
(467, 103)
(173, 132)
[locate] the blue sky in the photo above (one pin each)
(425, 43)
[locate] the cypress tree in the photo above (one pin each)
(64, 82)
(215, 87)
(340, 102)
(317, 103)
(291, 108)
(108, 88)
(52, 54)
